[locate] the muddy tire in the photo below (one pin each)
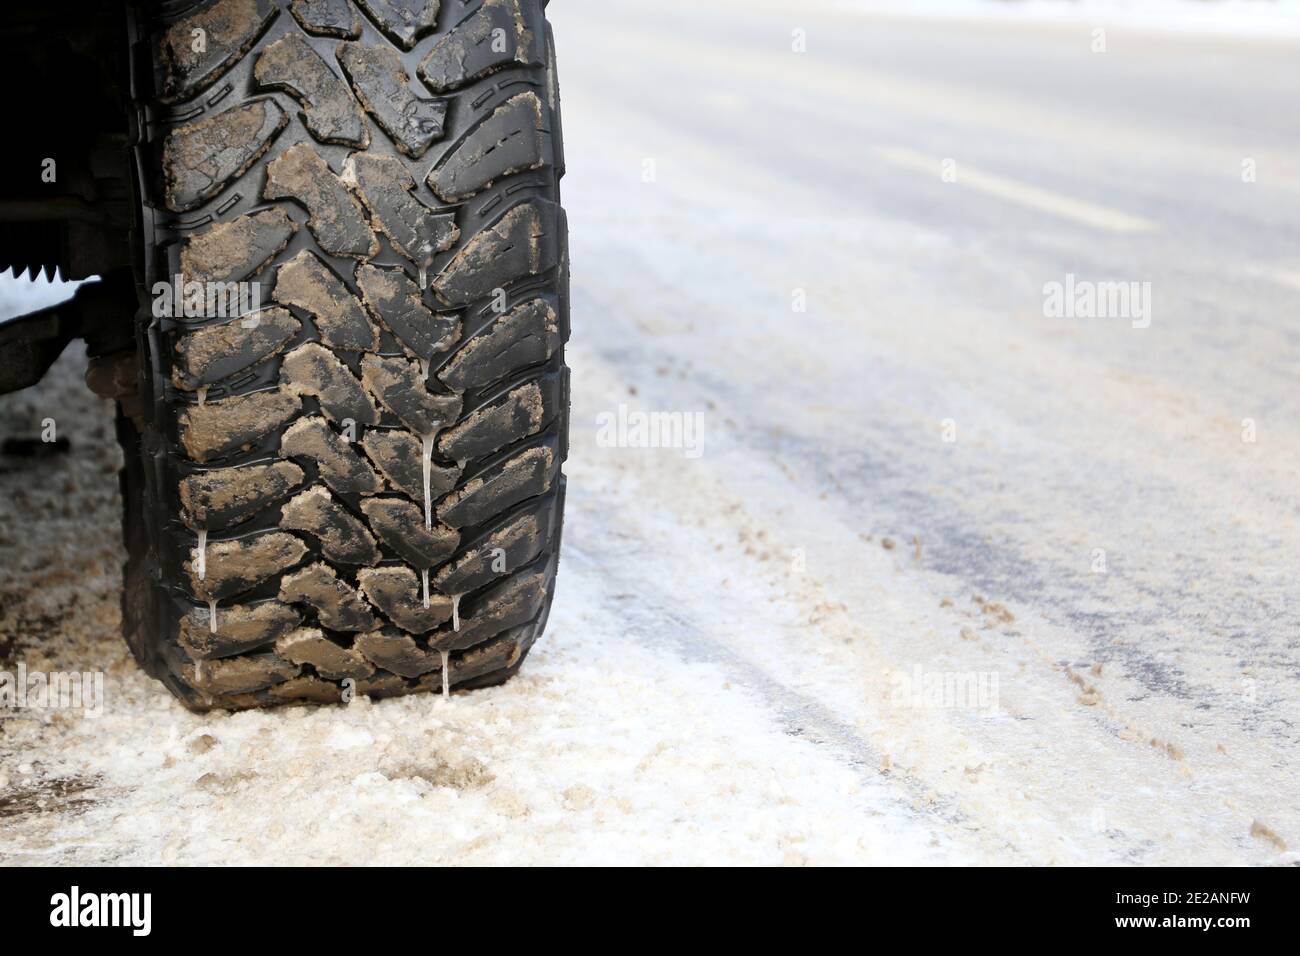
(348, 474)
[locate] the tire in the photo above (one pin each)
(356, 470)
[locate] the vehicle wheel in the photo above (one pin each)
(348, 476)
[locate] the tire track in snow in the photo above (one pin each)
(1005, 763)
(653, 621)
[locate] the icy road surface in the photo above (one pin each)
(943, 580)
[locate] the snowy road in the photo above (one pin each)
(946, 580)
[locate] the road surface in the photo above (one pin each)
(946, 574)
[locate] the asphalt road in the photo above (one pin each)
(925, 396)
(941, 576)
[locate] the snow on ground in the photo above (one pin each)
(610, 748)
(1261, 18)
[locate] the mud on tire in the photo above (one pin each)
(355, 487)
